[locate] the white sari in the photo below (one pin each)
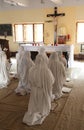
(41, 80)
(4, 70)
(24, 64)
(59, 73)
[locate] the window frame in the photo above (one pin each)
(23, 24)
(80, 43)
(77, 32)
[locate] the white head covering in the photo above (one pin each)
(39, 59)
(21, 48)
(41, 50)
(20, 52)
(27, 54)
(43, 53)
(54, 56)
(63, 60)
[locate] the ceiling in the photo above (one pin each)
(32, 4)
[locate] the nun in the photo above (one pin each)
(4, 70)
(63, 60)
(41, 80)
(25, 63)
(58, 70)
(43, 53)
(19, 55)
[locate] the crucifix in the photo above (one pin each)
(55, 22)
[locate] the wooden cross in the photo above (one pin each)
(55, 25)
(55, 13)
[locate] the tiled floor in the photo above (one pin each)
(78, 64)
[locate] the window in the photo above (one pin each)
(28, 32)
(82, 48)
(80, 32)
(18, 30)
(80, 35)
(38, 31)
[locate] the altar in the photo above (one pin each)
(50, 49)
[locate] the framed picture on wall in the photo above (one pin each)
(5, 29)
(61, 39)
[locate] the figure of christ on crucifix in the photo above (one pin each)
(55, 15)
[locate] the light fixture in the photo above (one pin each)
(17, 2)
(57, 1)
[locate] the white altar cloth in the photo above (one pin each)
(49, 49)
(61, 47)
